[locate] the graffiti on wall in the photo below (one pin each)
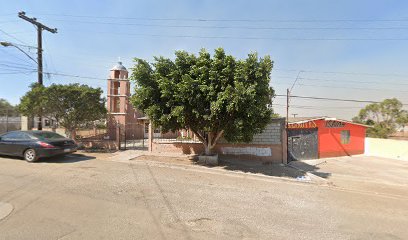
(335, 124)
(302, 125)
(260, 152)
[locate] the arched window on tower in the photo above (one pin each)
(116, 74)
(116, 105)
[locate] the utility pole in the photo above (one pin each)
(287, 124)
(7, 113)
(294, 114)
(40, 28)
(287, 106)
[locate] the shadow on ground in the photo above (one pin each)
(246, 166)
(71, 158)
(275, 170)
(11, 157)
(311, 167)
(295, 170)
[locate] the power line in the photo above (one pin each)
(252, 38)
(21, 59)
(15, 64)
(16, 72)
(316, 107)
(331, 99)
(233, 27)
(11, 67)
(355, 88)
(13, 37)
(75, 76)
(20, 49)
(227, 20)
(40, 28)
(345, 87)
(342, 80)
(345, 73)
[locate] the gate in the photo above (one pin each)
(302, 144)
(133, 137)
(8, 123)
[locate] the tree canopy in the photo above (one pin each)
(7, 109)
(384, 117)
(70, 105)
(213, 96)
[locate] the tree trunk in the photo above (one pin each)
(208, 145)
(73, 134)
(207, 149)
(210, 141)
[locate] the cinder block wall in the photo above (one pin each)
(271, 135)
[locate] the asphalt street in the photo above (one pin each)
(88, 197)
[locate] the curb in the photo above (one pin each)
(214, 170)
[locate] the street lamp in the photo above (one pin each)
(9, 44)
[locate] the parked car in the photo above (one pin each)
(32, 145)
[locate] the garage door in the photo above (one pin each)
(302, 144)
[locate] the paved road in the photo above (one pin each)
(95, 198)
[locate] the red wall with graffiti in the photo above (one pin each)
(332, 144)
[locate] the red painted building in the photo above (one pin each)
(322, 137)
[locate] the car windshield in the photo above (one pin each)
(47, 135)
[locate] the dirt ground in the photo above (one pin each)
(98, 196)
(361, 173)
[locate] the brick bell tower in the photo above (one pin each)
(124, 121)
(118, 95)
(120, 110)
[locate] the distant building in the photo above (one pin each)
(401, 134)
(120, 111)
(132, 123)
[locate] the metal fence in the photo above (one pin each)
(133, 137)
(9, 124)
(181, 136)
(128, 137)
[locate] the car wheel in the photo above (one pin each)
(30, 155)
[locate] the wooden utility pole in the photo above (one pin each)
(40, 28)
(7, 113)
(287, 105)
(287, 124)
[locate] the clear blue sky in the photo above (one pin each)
(299, 35)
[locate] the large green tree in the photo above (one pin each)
(7, 109)
(70, 105)
(214, 96)
(384, 117)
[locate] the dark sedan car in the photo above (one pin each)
(33, 145)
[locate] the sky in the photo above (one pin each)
(335, 49)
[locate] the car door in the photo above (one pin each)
(21, 142)
(7, 143)
(3, 146)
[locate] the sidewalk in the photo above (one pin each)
(228, 165)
